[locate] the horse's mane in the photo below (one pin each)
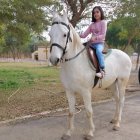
(76, 38)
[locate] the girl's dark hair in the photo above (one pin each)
(102, 13)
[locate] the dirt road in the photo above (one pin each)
(52, 128)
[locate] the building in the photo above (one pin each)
(41, 54)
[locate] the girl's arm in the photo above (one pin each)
(103, 31)
(87, 32)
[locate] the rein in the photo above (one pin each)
(64, 49)
(69, 59)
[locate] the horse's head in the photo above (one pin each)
(60, 37)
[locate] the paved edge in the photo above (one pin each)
(46, 113)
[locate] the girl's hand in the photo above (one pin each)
(93, 39)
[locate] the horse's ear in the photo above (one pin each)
(55, 14)
(65, 15)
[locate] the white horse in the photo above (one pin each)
(77, 75)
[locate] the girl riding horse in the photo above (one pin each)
(98, 29)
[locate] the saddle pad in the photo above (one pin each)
(108, 53)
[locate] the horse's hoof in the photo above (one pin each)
(113, 121)
(116, 128)
(88, 137)
(65, 137)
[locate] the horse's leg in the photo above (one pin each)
(87, 101)
(115, 91)
(71, 101)
(121, 87)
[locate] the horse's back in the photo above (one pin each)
(121, 57)
(120, 62)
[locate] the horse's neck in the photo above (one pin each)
(75, 46)
(80, 60)
(77, 67)
(73, 51)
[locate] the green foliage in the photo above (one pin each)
(28, 12)
(14, 78)
(123, 34)
(37, 40)
(116, 35)
(18, 20)
(136, 44)
(124, 30)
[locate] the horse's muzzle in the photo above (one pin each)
(54, 61)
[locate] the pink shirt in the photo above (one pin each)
(97, 29)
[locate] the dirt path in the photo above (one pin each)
(52, 128)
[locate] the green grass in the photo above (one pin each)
(15, 75)
(32, 81)
(40, 90)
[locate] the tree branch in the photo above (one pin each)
(77, 14)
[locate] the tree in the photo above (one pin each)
(116, 35)
(136, 47)
(122, 31)
(129, 11)
(129, 15)
(18, 20)
(16, 36)
(81, 9)
(77, 8)
(35, 41)
(139, 75)
(30, 13)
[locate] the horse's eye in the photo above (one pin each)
(65, 35)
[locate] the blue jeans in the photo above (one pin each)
(99, 48)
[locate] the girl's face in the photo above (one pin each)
(97, 14)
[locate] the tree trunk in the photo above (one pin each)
(13, 52)
(77, 9)
(129, 41)
(128, 44)
(137, 63)
(19, 53)
(139, 75)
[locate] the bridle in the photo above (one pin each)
(67, 40)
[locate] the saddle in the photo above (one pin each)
(94, 59)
